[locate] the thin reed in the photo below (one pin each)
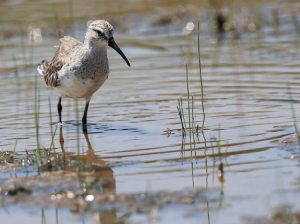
(10, 158)
(293, 113)
(200, 76)
(188, 92)
(179, 108)
(37, 115)
(15, 145)
(191, 113)
(71, 17)
(77, 128)
(57, 24)
(182, 112)
(193, 118)
(52, 134)
(16, 68)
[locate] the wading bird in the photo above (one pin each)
(78, 69)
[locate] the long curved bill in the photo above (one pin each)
(112, 43)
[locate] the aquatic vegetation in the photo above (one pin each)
(192, 121)
(139, 159)
(294, 115)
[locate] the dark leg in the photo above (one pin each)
(85, 113)
(59, 109)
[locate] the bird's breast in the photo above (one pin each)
(80, 85)
(92, 67)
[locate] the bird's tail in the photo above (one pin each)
(42, 68)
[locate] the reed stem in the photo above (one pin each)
(200, 76)
(293, 113)
(182, 113)
(37, 114)
(188, 92)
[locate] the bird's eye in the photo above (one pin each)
(99, 32)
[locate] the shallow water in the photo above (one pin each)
(246, 102)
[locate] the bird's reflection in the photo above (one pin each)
(100, 170)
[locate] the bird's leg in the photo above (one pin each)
(59, 109)
(85, 112)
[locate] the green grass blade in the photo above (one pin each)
(293, 113)
(36, 112)
(188, 92)
(200, 76)
(192, 113)
(182, 113)
(15, 145)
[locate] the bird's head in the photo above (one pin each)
(100, 32)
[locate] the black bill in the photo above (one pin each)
(112, 43)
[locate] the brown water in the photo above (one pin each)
(245, 94)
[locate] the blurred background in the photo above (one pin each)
(136, 164)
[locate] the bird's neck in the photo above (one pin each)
(94, 49)
(96, 55)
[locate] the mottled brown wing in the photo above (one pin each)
(51, 74)
(67, 47)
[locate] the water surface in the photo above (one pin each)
(247, 105)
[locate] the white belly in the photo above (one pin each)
(75, 87)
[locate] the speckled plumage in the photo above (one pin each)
(78, 69)
(84, 65)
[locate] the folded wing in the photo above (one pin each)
(50, 69)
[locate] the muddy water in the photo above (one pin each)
(133, 123)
